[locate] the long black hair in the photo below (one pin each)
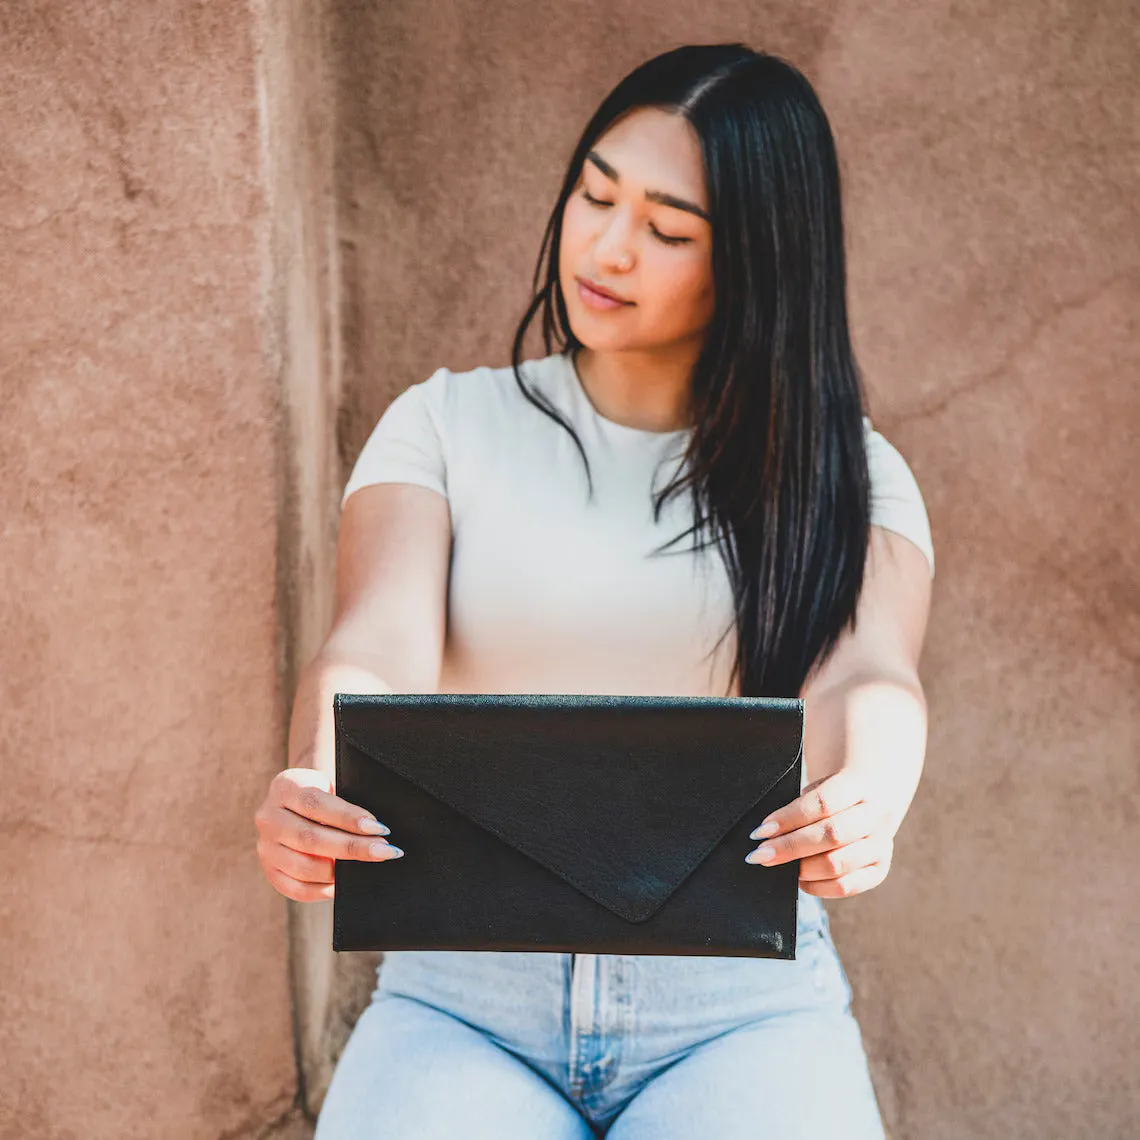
(776, 461)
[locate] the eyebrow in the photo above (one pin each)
(651, 195)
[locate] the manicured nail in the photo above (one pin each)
(374, 827)
(764, 830)
(760, 855)
(386, 849)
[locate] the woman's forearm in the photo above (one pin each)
(876, 722)
(333, 670)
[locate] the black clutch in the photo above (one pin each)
(586, 823)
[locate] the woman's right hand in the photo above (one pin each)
(303, 826)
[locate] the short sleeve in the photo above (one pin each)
(896, 501)
(407, 444)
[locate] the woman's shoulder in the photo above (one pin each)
(487, 394)
(440, 424)
(887, 464)
(896, 500)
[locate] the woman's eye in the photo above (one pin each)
(657, 233)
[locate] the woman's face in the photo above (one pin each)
(653, 252)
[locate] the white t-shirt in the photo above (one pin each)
(550, 592)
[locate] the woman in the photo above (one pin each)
(520, 529)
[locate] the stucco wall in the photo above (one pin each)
(144, 987)
(990, 155)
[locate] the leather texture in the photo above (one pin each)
(568, 823)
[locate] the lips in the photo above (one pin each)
(603, 290)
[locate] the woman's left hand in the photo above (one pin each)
(842, 828)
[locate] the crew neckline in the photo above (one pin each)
(613, 425)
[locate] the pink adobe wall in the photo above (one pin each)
(145, 980)
(989, 157)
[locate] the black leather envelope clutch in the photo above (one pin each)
(597, 824)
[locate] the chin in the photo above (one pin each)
(594, 338)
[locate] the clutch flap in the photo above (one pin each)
(620, 796)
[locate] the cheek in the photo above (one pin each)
(575, 228)
(682, 287)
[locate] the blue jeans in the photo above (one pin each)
(490, 1045)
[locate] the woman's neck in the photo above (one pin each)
(637, 389)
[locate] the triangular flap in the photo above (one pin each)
(620, 797)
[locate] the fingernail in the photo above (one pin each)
(374, 827)
(765, 829)
(760, 855)
(388, 849)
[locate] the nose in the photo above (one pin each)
(614, 246)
